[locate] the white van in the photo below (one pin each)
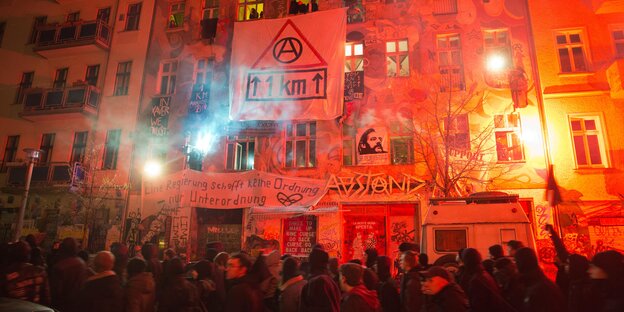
(478, 221)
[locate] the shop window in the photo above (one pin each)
(132, 16)
(10, 151)
(111, 149)
(588, 142)
(79, 147)
(441, 7)
(240, 153)
(167, 80)
(402, 149)
(572, 51)
(450, 63)
(397, 58)
(46, 146)
(122, 78)
(91, 76)
(508, 137)
(176, 15)
(458, 132)
(618, 42)
(39, 21)
(300, 151)
(348, 145)
(354, 57)
(60, 79)
(25, 83)
(450, 240)
(356, 13)
(250, 10)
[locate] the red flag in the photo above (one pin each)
(552, 189)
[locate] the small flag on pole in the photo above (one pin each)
(552, 189)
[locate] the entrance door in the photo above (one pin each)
(219, 225)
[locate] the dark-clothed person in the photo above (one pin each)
(102, 291)
(150, 255)
(178, 294)
(480, 287)
(607, 274)
(206, 286)
(540, 294)
(22, 280)
(357, 297)
(387, 291)
(121, 253)
(244, 295)
(140, 290)
(291, 286)
(508, 280)
(67, 275)
(321, 293)
(446, 296)
(496, 252)
(411, 293)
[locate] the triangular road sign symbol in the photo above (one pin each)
(289, 49)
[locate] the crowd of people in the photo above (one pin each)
(68, 280)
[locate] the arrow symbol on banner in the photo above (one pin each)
(317, 78)
(270, 81)
(255, 82)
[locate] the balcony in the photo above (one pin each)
(56, 40)
(43, 174)
(47, 104)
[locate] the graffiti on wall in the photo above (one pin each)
(374, 183)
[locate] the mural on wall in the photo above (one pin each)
(401, 231)
(329, 234)
(361, 233)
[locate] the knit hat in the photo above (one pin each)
(611, 262)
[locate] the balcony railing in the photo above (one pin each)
(82, 98)
(43, 174)
(73, 34)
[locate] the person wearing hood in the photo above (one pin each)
(387, 291)
(67, 275)
(482, 291)
(446, 296)
(607, 273)
(102, 291)
(540, 293)
(244, 294)
(357, 297)
(140, 290)
(292, 283)
(321, 293)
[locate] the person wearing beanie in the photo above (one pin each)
(321, 293)
(607, 272)
(446, 296)
(357, 297)
(540, 294)
(291, 285)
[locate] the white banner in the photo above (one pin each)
(190, 188)
(290, 68)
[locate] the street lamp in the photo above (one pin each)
(32, 155)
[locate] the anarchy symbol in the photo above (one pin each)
(287, 50)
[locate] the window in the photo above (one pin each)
(300, 145)
(46, 146)
(79, 147)
(354, 57)
(458, 132)
(444, 7)
(250, 9)
(133, 15)
(402, 150)
(618, 42)
(73, 16)
(176, 15)
(122, 79)
(571, 51)
(397, 58)
(10, 150)
(167, 76)
(25, 83)
(91, 76)
(348, 145)
(39, 20)
(240, 153)
(104, 14)
(211, 9)
(588, 141)
(61, 78)
(2, 29)
(111, 149)
(451, 240)
(496, 42)
(450, 62)
(508, 137)
(203, 71)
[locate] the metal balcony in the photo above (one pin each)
(73, 38)
(46, 104)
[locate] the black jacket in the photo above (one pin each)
(411, 294)
(450, 299)
(243, 296)
(389, 296)
(101, 294)
(320, 294)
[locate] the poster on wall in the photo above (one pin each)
(361, 233)
(372, 148)
(299, 235)
(401, 231)
(160, 115)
